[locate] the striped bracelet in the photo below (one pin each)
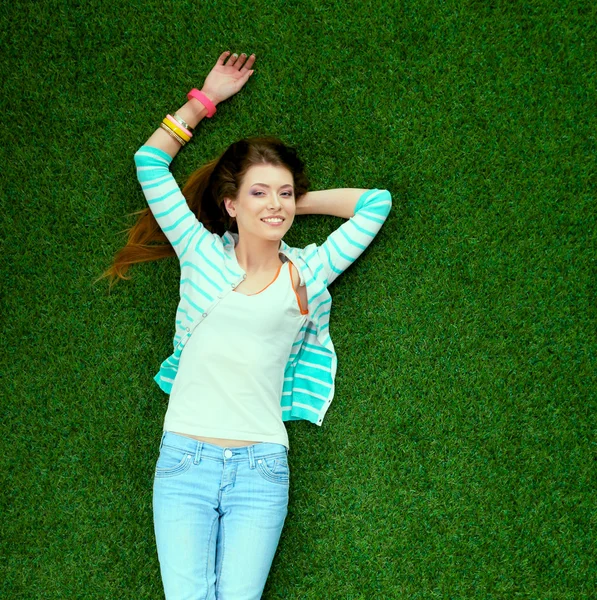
(183, 122)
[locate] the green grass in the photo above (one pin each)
(458, 457)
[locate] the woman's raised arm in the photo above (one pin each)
(223, 81)
(340, 202)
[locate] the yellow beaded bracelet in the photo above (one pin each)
(172, 134)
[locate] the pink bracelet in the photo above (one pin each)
(211, 107)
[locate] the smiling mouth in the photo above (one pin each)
(273, 220)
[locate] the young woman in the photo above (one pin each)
(252, 347)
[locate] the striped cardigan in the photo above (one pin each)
(209, 271)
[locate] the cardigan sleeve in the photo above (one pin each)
(165, 200)
(350, 240)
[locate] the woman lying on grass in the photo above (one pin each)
(252, 347)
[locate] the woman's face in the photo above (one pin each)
(265, 206)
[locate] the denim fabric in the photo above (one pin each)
(218, 516)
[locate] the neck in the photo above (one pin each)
(257, 255)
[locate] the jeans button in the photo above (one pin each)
(227, 453)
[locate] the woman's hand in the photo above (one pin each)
(224, 80)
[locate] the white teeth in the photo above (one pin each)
(272, 220)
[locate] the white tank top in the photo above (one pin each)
(231, 373)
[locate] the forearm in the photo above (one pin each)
(339, 202)
(192, 112)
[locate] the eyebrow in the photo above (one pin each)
(267, 186)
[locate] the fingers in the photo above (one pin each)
(248, 64)
(223, 57)
(238, 61)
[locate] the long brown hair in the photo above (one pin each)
(205, 191)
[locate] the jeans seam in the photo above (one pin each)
(211, 533)
(218, 575)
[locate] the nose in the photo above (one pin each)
(274, 201)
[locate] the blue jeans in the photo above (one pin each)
(218, 516)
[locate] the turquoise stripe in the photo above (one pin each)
(195, 306)
(374, 219)
(312, 298)
(176, 242)
(337, 248)
(142, 160)
(177, 223)
(157, 152)
(321, 304)
(362, 230)
(363, 200)
(351, 241)
(217, 250)
(167, 212)
(182, 310)
(164, 197)
(200, 228)
(379, 209)
(323, 379)
(196, 287)
(147, 175)
(309, 355)
(313, 347)
(317, 271)
(157, 183)
(202, 273)
(330, 261)
(209, 262)
(311, 255)
(306, 399)
(233, 273)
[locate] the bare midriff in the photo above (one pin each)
(224, 443)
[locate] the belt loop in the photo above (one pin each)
(251, 457)
(198, 452)
(162, 440)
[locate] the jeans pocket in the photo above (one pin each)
(274, 469)
(172, 461)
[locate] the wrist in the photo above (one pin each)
(211, 96)
(198, 97)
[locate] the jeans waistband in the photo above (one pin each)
(198, 448)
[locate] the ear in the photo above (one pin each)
(230, 208)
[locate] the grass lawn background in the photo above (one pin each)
(458, 457)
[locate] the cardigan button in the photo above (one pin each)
(188, 329)
(204, 315)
